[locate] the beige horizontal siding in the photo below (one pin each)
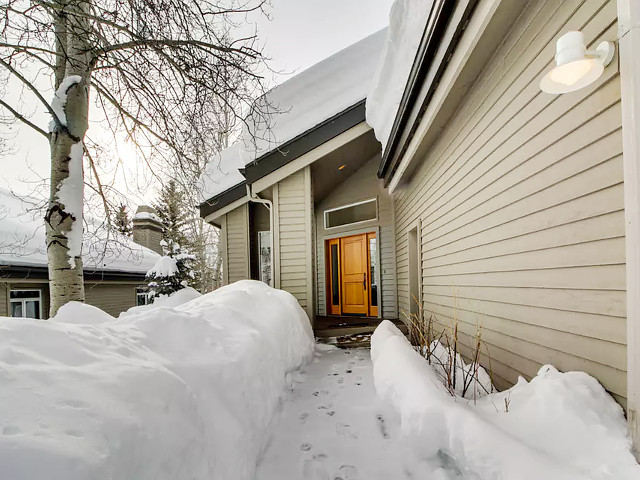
(236, 233)
(112, 298)
(294, 211)
(362, 185)
(522, 210)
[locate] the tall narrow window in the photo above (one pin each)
(26, 303)
(264, 248)
(373, 258)
(334, 305)
(335, 281)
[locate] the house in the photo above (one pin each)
(114, 269)
(486, 199)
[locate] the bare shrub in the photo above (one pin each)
(439, 344)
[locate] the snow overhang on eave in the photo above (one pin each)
(426, 61)
(277, 158)
(475, 29)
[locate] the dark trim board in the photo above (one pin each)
(407, 117)
(225, 198)
(305, 142)
(14, 272)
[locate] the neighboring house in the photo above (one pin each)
(114, 269)
(490, 201)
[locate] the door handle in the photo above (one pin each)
(364, 280)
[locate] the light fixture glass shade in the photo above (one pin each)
(572, 76)
(575, 66)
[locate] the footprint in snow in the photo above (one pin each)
(345, 430)
(305, 447)
(314, 468)
(11, 430)
(304, 416)
(382, 427)
(347, 472)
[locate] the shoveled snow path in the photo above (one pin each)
(333, 426)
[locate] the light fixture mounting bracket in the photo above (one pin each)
(604, 52)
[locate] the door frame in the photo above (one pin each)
(349, 233)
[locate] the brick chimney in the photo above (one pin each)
(147, 228)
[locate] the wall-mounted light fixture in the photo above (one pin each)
(341, 167)
(576, 67)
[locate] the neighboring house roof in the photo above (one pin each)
(23, 247)
(304, 112)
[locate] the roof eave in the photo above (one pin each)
(286, 153)
(403, 126)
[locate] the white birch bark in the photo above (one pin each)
(63, 219)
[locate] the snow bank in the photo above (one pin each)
(296, 106)
(81, 314)
(176, 299)
(558, 426)
(22, 241)
(166, 394)
(407, 22)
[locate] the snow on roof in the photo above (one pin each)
(147, 216)
(22, 242)
(222, 172)
(296, 106)
(407, 22)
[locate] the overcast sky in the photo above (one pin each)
(299, 34)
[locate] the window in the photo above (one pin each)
(351, 214)
(264, 256)
(373, 257)
(26, 303)
(142, 296)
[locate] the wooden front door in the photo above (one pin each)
(354, 270)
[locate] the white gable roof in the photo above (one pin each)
(22, 242)
(298, 105)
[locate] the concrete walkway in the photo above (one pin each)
(333, 427)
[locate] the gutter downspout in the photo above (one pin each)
(628, 44)
(252, 197)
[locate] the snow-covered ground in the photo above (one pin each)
(333, 426)
(558, 426)
(162, 393)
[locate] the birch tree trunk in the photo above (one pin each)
(63, 220)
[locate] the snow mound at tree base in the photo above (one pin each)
(558, 426)
(168, 393)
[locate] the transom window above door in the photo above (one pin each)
(351, 214)
(26, 303)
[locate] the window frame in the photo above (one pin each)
(354, 204)
(23, 301)
(140, 291)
